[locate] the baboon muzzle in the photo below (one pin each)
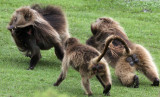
(11, 27)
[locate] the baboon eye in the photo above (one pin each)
(100, 19)
(104, 21)
(15, 19)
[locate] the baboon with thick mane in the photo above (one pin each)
(88, 61)
(125, 64)
(34, 28)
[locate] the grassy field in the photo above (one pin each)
(140, 19)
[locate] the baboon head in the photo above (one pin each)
(101, 29)
(104, 24)
(21, 18)
(97, 41)
(71, 42)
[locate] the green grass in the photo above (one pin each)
(141, 27)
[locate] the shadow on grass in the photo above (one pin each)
(46, 63)
(22, 61)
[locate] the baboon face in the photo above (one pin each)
(101, 29)
(102, 24)
(97, 41)
(21, 18)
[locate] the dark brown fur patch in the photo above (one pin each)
(54, 15)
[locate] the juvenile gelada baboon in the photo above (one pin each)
(125, 65)
(88, 62)
(34, 28)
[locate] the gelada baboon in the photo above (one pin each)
(139, 59)
(34, 28)
(88, 61)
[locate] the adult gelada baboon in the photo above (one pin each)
(88, 61)
(139, 59)
(34, 28)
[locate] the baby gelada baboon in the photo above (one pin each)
(88, 62)
(34, 28)
(125, 65)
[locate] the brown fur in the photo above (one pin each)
(85, 59)
(102, 29)
(56, 18)
(32, 31)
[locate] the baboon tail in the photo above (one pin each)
(108, 41)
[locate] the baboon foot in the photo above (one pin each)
(156, 82)
(30, 68)
(56, 84)
(90, 94)
(136, 82)
(106, 90)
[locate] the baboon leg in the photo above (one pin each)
(86, 85)
(150, 72)
(34, 60)
(62, 76)
(126, 74)
(35, 52)
(60, 79)
(146, 65)
(59, 50)
(99, 79)
(106, 80)
(58, 46)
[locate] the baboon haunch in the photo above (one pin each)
(88, 61)
(34, 28)
(125, 65)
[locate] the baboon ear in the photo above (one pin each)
(94, 31)
(108, 20)
(65, 44)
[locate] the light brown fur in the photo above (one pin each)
(103, 29)
(84, 58)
